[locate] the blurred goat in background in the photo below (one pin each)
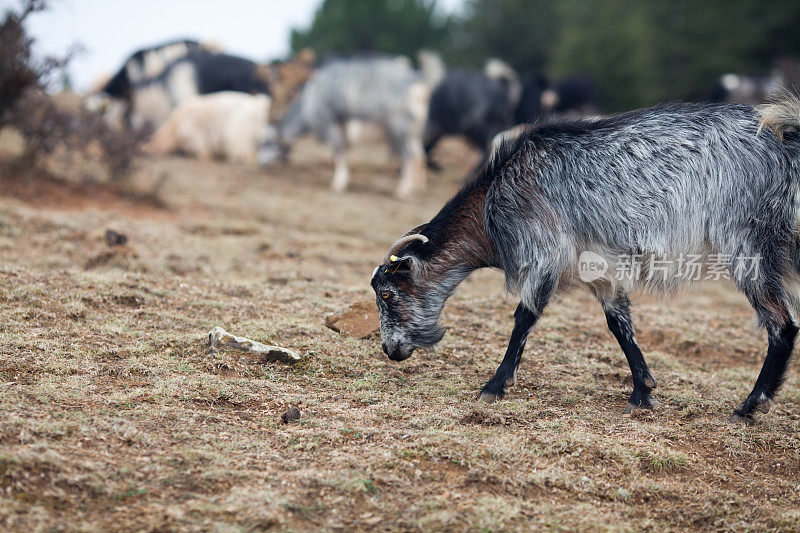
(476, 105)
(388, 92)
(153, 81)
(228, 124)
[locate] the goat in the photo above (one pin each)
(146, 64)
(476, 105)
(229, 124)
(200, 71)
(153, 81)
(571, 96)
(708, 179)
(529, 108)
(114, 96)
(286, 79)
(386, 91)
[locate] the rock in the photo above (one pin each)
(114, 238)
(219, 338)
(291, 415)
(359, 320)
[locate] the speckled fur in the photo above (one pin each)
(673, 179)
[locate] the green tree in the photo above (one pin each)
(639, 52)
(390, 26)
(612, 42)
(520, 32)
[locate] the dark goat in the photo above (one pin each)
(697, 180)
(575, 94)
(572, 96)
(216, 72)
(477, 105)
(529, 109)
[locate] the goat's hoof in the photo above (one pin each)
(639, 400)
(489, 397)
(744, 413)
(630, 407)
(740, 419)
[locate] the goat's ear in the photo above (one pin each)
(401, 265)
(406, 265)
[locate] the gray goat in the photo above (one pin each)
(384, 91)
(703, 179)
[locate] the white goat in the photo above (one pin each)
(226, 124)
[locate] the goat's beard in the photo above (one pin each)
(428, 337)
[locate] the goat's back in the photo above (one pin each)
(671, 179)
(366, 89)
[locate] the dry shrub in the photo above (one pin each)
(65, 140)
(73, 143)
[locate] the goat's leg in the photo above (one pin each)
(524, 320)
(618, 317)
(412, 168)
(338, 141)
(341, 175)
(782, 331)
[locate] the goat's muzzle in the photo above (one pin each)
(396, 353)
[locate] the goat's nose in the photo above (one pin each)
(385, 349)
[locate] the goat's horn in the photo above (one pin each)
(402, 242)
(418, 229)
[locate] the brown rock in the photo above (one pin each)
(360, 320)
(291, 415)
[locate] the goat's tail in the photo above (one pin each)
(431, 66)
(781, 114)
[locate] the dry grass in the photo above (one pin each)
(114, 417)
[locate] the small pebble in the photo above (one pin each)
(291, 415)
(114, 238)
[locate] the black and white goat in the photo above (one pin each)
(115, 95)
(153, 81)
(146, 64)
(476, 105)
(198, 72)
(711, 180)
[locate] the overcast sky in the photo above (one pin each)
(111, 29)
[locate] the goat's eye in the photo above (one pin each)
(386, 295)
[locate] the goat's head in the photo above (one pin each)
(409, 300)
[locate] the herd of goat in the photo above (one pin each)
(202, 102)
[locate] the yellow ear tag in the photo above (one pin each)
(393, 258)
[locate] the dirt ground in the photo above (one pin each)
(114, 416)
